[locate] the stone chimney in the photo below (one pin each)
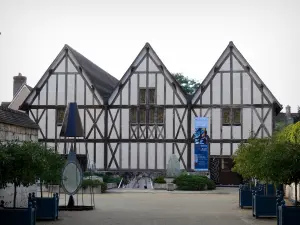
(288, 115)
(288, 110)
(18, 82)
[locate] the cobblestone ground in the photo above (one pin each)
(163, 208)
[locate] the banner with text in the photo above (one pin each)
(201, 144)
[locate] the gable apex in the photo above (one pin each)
(103, 82)
(224, 64)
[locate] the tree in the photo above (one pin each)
(21, 167)
(26, 163)
(248, 157)
(189, 85)
(3, 166)
(289, 138)
(51, 173)
(273, 160)
(48, 170)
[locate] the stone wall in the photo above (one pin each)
(12, 132)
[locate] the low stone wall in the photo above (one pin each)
(112, 185)
(157, 186)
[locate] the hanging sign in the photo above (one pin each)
(201, 144)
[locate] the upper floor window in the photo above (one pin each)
(147, 115)
(60, 114)
(145, 97)
(231, 116)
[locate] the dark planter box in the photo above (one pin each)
(18, 216)
(288, 215)
(245, 198)
(270, 190)
(264, 205)
(245, 195)
(46, 208)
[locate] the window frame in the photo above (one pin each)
(231, 116)
(58, 110)
(225, 165)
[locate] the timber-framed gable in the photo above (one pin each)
(150, 108)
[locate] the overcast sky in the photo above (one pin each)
(188, 36)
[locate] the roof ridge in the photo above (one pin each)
(11, 110)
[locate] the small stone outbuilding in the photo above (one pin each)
(17, 125)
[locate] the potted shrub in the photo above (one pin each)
(159, 183)
(248, 163)
(49, 173)
(289, 159)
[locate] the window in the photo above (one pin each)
(151, 115)
(160, 115)
(150, 97)
(236, 116)
(155, 115)
(147, 115)
(225, 164)
(60, 116)
(133, 115)
(142, 96)
(142, 114)
(231, 116)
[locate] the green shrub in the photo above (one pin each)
(159, 180)
(193, 183)
(103, 187)
(210, 184)
(111, 179)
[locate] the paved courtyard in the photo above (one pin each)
(163, 208)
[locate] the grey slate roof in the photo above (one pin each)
(103, 82)
(14, 117)
(5, 104)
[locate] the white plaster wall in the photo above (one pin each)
(216, 82)
(226, 88)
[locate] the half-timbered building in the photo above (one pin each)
(136, 123)
(147, 120)
(72, 78)
(238, 104)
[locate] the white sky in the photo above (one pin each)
(188, 36)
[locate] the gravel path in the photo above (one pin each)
(163, 208)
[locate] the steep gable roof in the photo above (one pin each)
(147, 49)
(245, 66)
(102, 81)
(14, 117)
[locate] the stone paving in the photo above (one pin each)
(163, 208)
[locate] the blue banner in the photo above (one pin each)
(201, 144)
